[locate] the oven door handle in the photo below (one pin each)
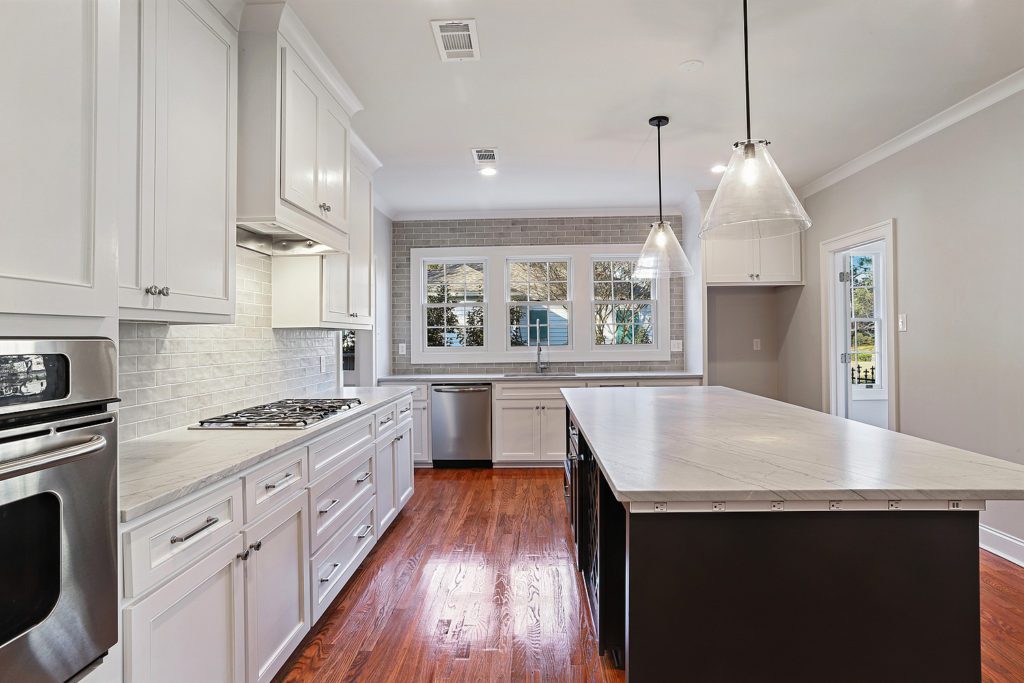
(53, 458)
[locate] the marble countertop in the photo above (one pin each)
(578, 377)
(162, 468)
(705, 444)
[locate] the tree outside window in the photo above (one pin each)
(538, 303)
(623, 305)
(454, 305)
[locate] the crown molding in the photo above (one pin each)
(382, 205)
(531, 213)
(363, 155)
(998, 91)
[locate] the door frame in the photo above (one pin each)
(884, 231)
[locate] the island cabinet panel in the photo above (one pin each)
(803, 596)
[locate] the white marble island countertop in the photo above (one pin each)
(159, 469)
(699, 444)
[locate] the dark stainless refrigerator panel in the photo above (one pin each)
(460, 423)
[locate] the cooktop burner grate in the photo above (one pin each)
(290, 413)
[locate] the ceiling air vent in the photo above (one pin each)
(485, 155)
(456, 40)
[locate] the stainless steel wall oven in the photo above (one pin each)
(58, 506)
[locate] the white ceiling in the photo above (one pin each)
(564, 89)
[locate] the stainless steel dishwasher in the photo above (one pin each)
(460, 425)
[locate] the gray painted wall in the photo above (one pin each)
(519, 232)
(736, 317)
(957, 198)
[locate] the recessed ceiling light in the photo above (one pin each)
(488, 171)
(691, 65)
(718, 168)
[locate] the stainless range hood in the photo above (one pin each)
(280, 244)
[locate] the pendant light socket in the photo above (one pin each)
(662, 255)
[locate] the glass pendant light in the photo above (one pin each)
(753, 199)
(662, 255)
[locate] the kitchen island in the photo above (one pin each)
(728, 537)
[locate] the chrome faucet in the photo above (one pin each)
(542, 366)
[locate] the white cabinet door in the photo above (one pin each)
(516, 423)
(277, 595)
(360, 235)
(404, 465)
(729, 261)
(193, 627)
(336, 288)
(193, 67)
(420, 432)
(332, 163)
(299, 131)
(552, 429)
(387, 498)
(779, 259)
(59, 70)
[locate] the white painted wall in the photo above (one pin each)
(957, 198)
(382, 291)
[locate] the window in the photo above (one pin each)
(865, 322)
(542, 319)
(454, 307)
(623, 306)
(348, 350)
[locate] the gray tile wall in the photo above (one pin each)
(408, 235)
(173, 375)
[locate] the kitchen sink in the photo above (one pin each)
(539, 374)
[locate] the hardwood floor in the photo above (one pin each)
(475, 582)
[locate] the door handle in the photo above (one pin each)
(210, 521)
(56, 456)
(459, 390)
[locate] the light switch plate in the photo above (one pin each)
(757, 344)
(901, 322)
(677, 344)
(401, 349)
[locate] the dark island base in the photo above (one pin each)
(801, 596)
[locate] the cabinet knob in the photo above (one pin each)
(152, 290)
(327, 208)
(165, 291)
(751, 276)
(256, 546)
(758, 276)
(323, 206)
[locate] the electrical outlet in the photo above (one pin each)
(955, 505)
(777, 505)
(661, 507)
(834, 505)
(677, 344)
(323, 364)
(894, 505)
(901, 322)
(757, 344)
(401, 349)
(718, 507)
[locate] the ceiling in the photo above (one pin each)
(564, 89)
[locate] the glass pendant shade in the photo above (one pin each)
(753, 199)
(662, 255)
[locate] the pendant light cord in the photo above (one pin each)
(661, 218)
(746, 65)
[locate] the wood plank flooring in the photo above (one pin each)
(475, 582)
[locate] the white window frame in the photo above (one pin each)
(653, 301)
(880, 390)
(496, 347)
(423, 306)
(506, 292)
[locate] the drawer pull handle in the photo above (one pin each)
(362, 477)
(365, 531)
(280, 482)
(334, 501)
(389, 418)
(210, 521)
(334, 568)
(405, 410)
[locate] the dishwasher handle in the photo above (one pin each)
(459, 390)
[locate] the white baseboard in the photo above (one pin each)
(1005, 546)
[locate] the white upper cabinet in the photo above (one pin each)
(59, 72)
(771, 261)
(177, 229)
(293, 131)
(360, 289)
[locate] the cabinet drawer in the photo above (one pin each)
(172, 541)
(331, 450)
(690, 382)
(405, 409)
(539, 390)
(274, 482)
(334, 564)
(385, 420)
(334, 499)
(613, 383)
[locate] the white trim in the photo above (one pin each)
(489, 214)
(384, 206)
(1002, 544)
(363, 154)
(281, 18)
(581, 348)
(997, 92)
(884, 231)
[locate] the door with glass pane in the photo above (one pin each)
(862, 355)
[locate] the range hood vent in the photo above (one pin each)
(289, 244)
(456, 40)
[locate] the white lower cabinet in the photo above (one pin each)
(336, 562)
(421, 433)
(404, 464)
(193, 627)
(276, 587)
(387, 499)
(529, 430)
(552, 429)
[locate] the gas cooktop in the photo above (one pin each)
(290, 413)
